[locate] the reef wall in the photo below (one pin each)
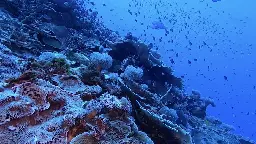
(65, 78)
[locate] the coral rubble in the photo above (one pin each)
(65, 78)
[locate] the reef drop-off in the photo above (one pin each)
(65, 78)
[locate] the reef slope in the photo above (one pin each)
(65, 78)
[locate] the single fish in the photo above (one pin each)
(158, 25)
(216, 0)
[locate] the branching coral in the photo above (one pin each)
(100, 61)
(132, 73)
(169, 114)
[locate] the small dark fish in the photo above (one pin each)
(216, 0)
(225, 78)
(130, 12)
(172, 61)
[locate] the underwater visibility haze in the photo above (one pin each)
(127, 72)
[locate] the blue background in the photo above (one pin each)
(228, 29)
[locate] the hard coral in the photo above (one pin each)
(111, 105)
(11, 66)
(111, 83)
(84, 138)
(50, 56)
(44, 103)
(100, 61)
(91, 92)
(169, 114)
(197, 105)
(132, 73)
(70, 83)
(35, 93)
(124, 132)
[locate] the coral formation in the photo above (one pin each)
(132, 73)
(100, 61)
(65, 78)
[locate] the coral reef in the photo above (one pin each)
(65, 78)
(132, 73)
(100, 61)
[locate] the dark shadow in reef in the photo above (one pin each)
(158, 77)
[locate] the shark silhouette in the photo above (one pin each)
(158, 25)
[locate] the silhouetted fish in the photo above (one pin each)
(158, 25)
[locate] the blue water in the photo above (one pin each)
(212, 45)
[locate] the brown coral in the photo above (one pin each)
(34, 92)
